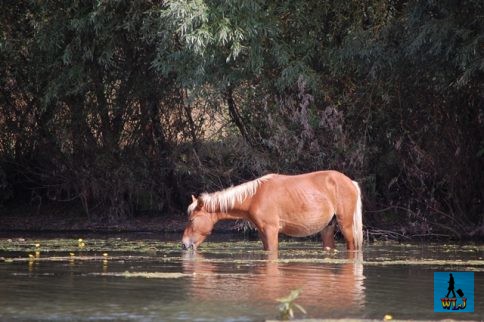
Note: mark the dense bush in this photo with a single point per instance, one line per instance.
(120, 107)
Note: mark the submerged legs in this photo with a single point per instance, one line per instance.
(327, 235)
(270, 238)
(346, 226)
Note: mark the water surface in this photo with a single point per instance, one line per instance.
(145, 279)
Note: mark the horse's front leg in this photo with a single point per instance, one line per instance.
(263, 239)
(270, 238)
(268, 228)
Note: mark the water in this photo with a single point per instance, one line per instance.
(145, 279)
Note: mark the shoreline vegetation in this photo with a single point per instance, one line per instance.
(15, 225)
(112, 114)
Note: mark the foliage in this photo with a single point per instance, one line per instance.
(419, 79)
(123, 107)
(287, 305)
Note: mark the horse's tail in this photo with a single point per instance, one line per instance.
(358, 220)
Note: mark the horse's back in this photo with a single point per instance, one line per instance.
(325, 181)
(301, 204)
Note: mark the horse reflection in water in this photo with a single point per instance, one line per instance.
(327, 287)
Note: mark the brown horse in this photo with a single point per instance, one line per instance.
(299, 206)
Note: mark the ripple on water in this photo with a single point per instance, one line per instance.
(236, 281)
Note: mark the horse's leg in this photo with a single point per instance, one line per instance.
(345, 223)
(268, 229)
(270, 238)
(263, 239)
(327, 235)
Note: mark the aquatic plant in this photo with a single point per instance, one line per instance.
(287, 305)
(80, 243)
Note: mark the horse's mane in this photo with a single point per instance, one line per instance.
(225, 200)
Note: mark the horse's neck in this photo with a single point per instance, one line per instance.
(232, 214)
(238, 212)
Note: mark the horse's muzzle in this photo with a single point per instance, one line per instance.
(188, 244)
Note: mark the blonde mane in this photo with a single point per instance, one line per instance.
(225, 200)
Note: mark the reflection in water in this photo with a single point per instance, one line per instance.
(330, 287)
(236, 283)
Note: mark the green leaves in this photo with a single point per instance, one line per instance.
(361, 86)
(287, 305)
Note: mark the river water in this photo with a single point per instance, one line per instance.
(149, 278)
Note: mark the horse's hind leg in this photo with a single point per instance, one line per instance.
(327, 235)
(345, 223)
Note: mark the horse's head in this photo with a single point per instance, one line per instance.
(200, 224)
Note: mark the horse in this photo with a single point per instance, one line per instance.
(295, 205)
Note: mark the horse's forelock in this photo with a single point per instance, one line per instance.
(192, 207)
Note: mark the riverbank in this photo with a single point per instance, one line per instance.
(68, 220)
(69, 223)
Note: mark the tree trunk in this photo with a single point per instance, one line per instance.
(236, 118)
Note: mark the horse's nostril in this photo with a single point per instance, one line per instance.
(186, 245)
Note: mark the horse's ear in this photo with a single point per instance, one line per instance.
(199, 203)
(193, 199)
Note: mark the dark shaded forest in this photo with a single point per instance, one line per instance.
(113, 110)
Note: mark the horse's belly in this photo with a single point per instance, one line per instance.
(304, 224)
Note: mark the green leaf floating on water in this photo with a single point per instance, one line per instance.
(300, 308)
(287, 305)
(291, 297)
